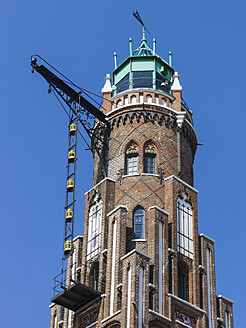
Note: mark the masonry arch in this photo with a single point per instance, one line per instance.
(131, 158)
(149, 157)
(138, 223)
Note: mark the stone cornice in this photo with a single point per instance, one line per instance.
(184, 183)
(98, 185)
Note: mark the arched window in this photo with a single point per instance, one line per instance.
(132, 158)
(133, 99)
(138, 223)
(149, 99)
(184, 225)
(149, 158)
(119, 103)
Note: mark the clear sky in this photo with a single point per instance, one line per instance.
(207, 39)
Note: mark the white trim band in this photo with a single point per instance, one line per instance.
(99, 184)
(225, 298)
(92, 324)
(186, 184)
(111, 316)
(160, 315)
(182, 324)
(187, 303)
(137, 251)
(159, 209)
(202, 235)
(116, 209)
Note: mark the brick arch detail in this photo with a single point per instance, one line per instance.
(147, 116)
(129, 143)
(189, 198)
(115, 324)
(148, 142)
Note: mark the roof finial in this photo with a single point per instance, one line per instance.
(115, 60)
(130, 46)
(154, 44)
(170, 58)
(143, 39)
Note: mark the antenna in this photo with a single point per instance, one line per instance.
(137, 16)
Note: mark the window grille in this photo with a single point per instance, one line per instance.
(184, 227)
(132, 164)
(149, 164)
(132, 158)
(149, 158)
(94, 228)
(138, 220)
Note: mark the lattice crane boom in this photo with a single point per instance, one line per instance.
(83, 111)
(54, 80)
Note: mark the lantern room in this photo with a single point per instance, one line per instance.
(143, 69)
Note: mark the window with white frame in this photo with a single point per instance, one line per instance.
(149, 157)
(132, 158)
(132, 164)
(119, 103)
(94, 227)
(184, 226)
(133, 99)
(227, 319)
(149, 99)
(138, 223)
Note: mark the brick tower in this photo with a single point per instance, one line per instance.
(141, 262)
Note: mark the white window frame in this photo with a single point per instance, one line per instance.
(132, 164)
(184, 227)
(94, 228)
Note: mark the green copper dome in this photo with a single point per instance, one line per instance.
(143, 69)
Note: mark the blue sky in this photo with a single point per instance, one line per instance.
(207, 39)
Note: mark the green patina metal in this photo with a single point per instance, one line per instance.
(115, 60)
(170, 58)
(130, 46)
(143, 68)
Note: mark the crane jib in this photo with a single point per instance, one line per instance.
(74, 96)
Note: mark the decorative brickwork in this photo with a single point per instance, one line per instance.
(166, 278)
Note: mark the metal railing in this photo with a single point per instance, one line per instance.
(143, 82)
(89, 275)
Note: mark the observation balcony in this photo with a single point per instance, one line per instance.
(68, 291)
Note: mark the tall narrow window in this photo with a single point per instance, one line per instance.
(94, 275)
(208, 264)
(227, 319)
(94, 227)
(132, 158)
(184, 226)
(140, 297)
(181, 283)
(149, 99)
(138, 221)
(149, 158)
(129, 278)
(133, 99)
(55, 321)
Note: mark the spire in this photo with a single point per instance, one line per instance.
(143, 50)
(176, 84)
(107, 86)
(143, 39)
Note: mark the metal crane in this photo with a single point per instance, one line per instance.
(81, 111)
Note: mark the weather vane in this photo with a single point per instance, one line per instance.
(137, 16)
